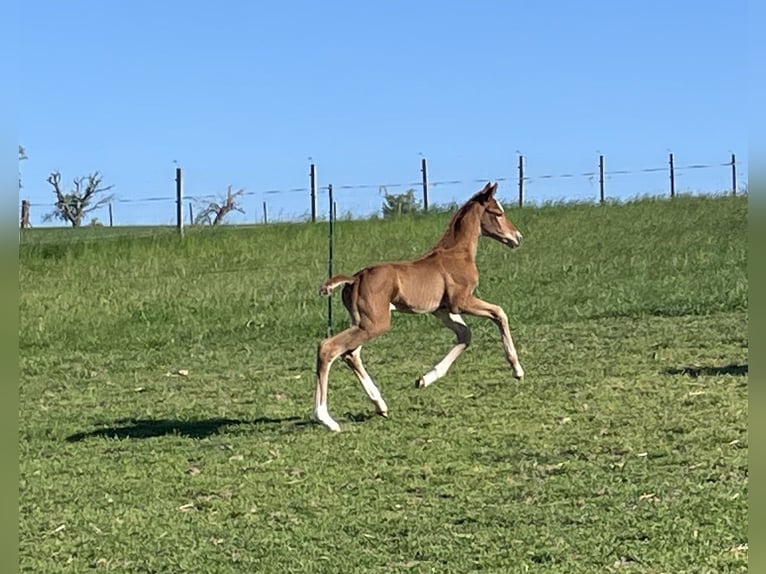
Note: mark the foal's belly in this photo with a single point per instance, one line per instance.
(418, 292)
(416, 310)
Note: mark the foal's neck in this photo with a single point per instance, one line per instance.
(463, 230)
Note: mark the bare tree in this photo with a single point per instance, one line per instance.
(84, 197)
(214, 213)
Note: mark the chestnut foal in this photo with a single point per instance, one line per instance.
(441, 282)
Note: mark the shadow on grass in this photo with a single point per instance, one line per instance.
(709, 371)
(150, 428)
(358, 417)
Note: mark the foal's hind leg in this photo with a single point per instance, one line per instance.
(354, 361)
(455, 324)
(371, 318)
(329, 350)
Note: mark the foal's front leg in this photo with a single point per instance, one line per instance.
(479, 308)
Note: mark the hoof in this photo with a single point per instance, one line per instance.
(328, 423)
(332, 427)
(420, 383)
(381, 408)
(519, 375)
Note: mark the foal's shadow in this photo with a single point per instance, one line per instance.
(150, 428)
(695, 371)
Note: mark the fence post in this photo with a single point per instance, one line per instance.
(424, 170)
(265, 213)
(191, 214)
(313, 178)
(331, 224)
(672, 177)
(733, 174)
(111, 215)
(25, 213)
(521, 180)
(179, 202)
(601, 177)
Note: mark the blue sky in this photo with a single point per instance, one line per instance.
(244, 93)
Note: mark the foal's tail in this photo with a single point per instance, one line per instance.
(334, 282)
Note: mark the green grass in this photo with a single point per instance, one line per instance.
(623, 450)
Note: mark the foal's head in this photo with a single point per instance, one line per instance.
(494, 223)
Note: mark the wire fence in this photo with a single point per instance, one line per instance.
(365, 199)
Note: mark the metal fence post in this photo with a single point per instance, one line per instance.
(601, 177)
(331, 225)
(179, 202)
(672, 177)
(313, 179)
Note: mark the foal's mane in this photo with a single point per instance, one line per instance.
(465, 220)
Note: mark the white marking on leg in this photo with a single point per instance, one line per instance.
(510, 349)
(321, 413)
(354, 361)
(456, 324)
(373, 393)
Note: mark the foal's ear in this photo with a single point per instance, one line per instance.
(487, 192)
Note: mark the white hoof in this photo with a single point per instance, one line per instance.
(323, 417)
(330, 424)
(518, 373)
(381, 408)
(426, 380)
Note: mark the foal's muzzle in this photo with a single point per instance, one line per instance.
(513, 240)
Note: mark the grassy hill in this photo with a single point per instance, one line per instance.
(625, 448)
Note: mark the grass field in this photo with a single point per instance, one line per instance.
(623, 450)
